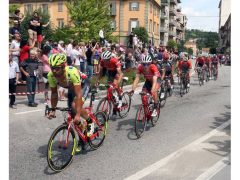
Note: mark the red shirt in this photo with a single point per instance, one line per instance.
(185, 65)
(148, 73)
(111, 65)
(208, 60)
(200, 60)
(24, 53)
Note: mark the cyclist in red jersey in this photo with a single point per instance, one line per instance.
(153, 80)
(215, 61)
(200, 62)
(184, 66)
(208, 63)
(112, 67)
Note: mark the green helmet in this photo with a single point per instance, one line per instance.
(57, 59)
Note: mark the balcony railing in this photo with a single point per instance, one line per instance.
(163, 29)
(179, 9)
(163, 16)
(173, 2)
(179, 28)
(172, 33)
(172, 12)
(164, 2)
(172, 22)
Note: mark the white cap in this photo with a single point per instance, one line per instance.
(61, 42)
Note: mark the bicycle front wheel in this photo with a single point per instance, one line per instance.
(100, 130)
(126, 104)
(105, 106)
(61, 148)
(140, 122)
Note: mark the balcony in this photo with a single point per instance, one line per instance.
(179, 9)
(172, 33)
(179, 28)
(179, 1)
(163, 29)
(163, 16)
(178, 18)
(172, 22)
(164, 2)
(173, 2)
(172, 12)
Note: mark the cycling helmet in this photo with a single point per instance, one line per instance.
(106, 55)
(147, 59)
(57, 59)
(165, 56)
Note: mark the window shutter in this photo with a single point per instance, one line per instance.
(137, 23)
(114, 8)
(138, 6)
(129, 27)
(130, 6)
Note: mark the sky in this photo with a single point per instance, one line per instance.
(202, 8)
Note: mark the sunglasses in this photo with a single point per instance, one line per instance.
(145, 64)
(57, 68)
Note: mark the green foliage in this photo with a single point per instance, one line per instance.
(13, 7)
(171, 44)
(213, 51)
(142, 34)
(88, 17)
(44, 18)
(204, 39)
(190, 51)
(64, 34)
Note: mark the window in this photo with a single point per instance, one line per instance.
(45, 7)
(150, 26)
(133, 24)
(112, 8)
(60, 7)
(113, 25)
(28, 8)
(134, 6)
(60, 23)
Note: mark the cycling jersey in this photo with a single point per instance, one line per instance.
(111, 65)
(200, 61)
(148, 73)
(72, 78)
(214, 60)
(185, 65)
(208, 60)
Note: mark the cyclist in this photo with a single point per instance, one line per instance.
(68, 77)
(112, 67)
(152, 79)
(200, 62)
(184, 66)
(215, 61)
(208, 64)
(168, 68)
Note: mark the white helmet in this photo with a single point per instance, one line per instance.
(147, 59)
(106, 55)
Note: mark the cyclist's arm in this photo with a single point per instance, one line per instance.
(54, 97)
(154, 83)
(78, 99)
(135, 82)
(163, 73)
(120, 74)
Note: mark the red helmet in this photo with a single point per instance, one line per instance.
(165, 56)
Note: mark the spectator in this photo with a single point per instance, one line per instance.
(18, 17)
(15, 29)
(75, 55)
(46, 69)
(101, 35)
(61, 47)
(130, 61)
(131, 40)
(25, 48)
(82, 57)
(89, 56)
(13, 80)
(135, 40)
(32, 30)
(69, 47)
(55, 48)
(30, 68)
(39, 33)
(15, 47)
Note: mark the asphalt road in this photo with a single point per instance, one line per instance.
(191, 140)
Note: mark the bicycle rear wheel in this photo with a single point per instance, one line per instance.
(105, 106)
(126, 104)
(100, 130)
(60, 154)
(140, 122)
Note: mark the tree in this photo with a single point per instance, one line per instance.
(171, 44)
(142, 34)
(45, 17)
(13, 7)
(88, 17)
(190, 51)
(213, 51)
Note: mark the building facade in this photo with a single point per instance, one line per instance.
(224, 26)
(173, 22)
(192, 44)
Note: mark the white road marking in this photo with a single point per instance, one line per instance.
(151, 168)
(207, 175)
(25, 112)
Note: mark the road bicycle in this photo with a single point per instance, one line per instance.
(167, 86)
(110, 102)
(63, 141)
(200, 75)
(144, 114)
(214, 72)
(184, 83)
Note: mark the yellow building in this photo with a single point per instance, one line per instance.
(126, 15)
(192, 44)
